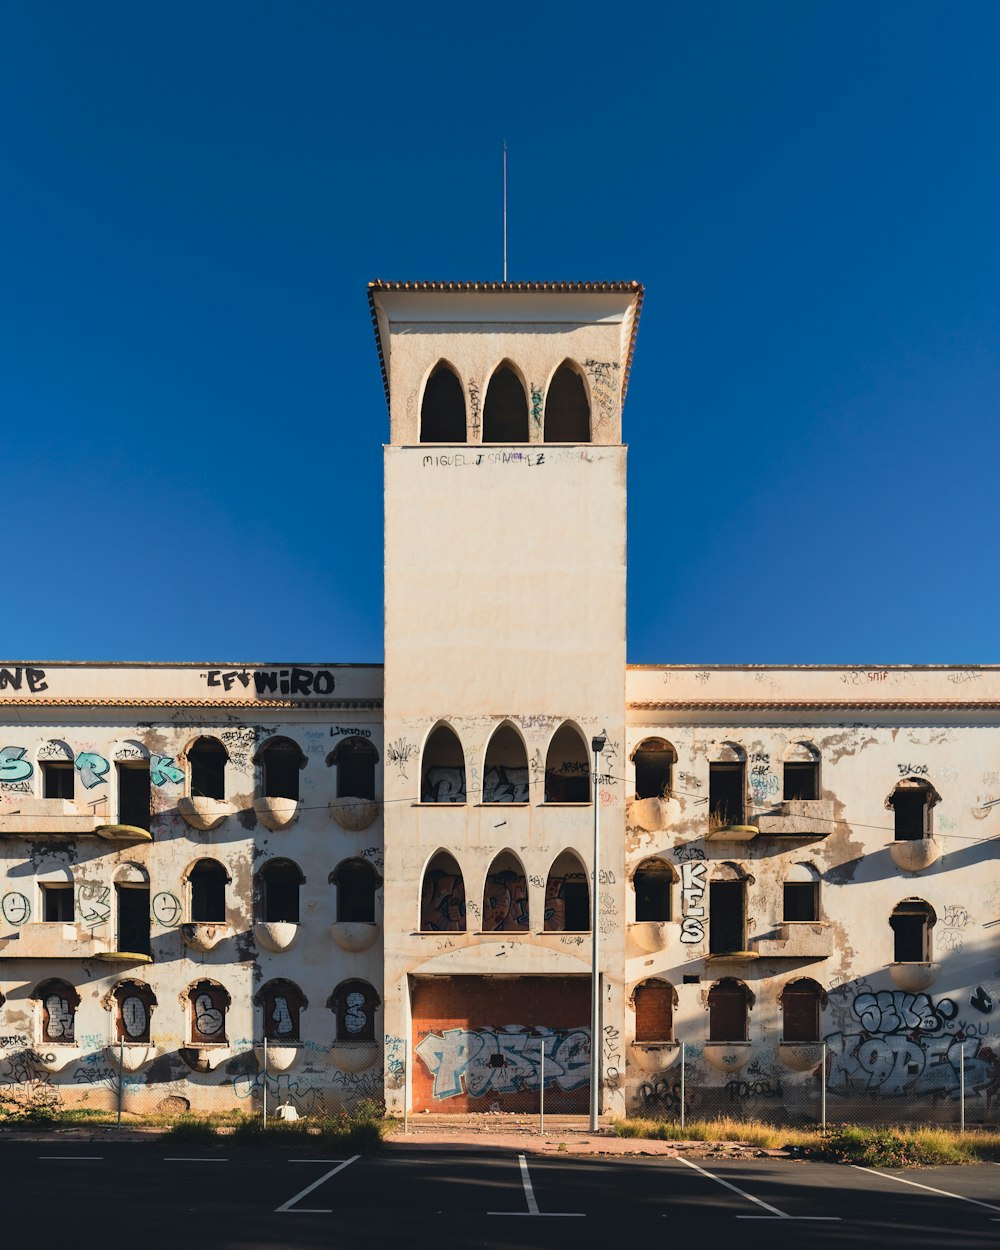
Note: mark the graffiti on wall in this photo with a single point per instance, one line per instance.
(294, 681)
(14, 768)
(505, 785)
(442, 785)
(93, 903)
(908, 1044)
(92, 769)
(162, 770)
(764, 784)
(442, 905)
(17, 678)
(492, 1061)
(505, 901)
(693, 873)
(15, 908)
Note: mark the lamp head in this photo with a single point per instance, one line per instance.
(597, 743)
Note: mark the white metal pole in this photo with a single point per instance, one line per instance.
(505, 210)
(822, 1091)
(541, 1091)
(595, 974)
(961, 1089)
(264, 1103)
(683, 1059)
(121, 1074)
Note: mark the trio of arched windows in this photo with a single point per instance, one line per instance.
(506, 776)
(505, 896)
(353, 1003)
(729, 1005)
(280, 761)
(277, 888)
(564, 411)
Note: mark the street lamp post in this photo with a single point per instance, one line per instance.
(597, 745)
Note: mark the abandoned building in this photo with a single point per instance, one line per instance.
(383, 877)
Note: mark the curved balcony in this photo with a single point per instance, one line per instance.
(280, 1055)
(275, 935)
(915, 855)
(355, 1056)
(203, 937)
(354, 814)
(204, 814)
(276, 814)
(354, 935)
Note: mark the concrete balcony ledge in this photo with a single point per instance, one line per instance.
(650, 936)
(206, 1057)
(745, 956)
(52, 818)
(653, 1056)
(132, 1057)
(204, 936)
(42, 939)
(915, 855)
(123, 833)
(281, 1056)
(354, 935)
(797, 939)
(353, 815)
(798, 818)
(355, 1056)
(275, 935)
(276, 814)
(727, 1056)
(800, 1056)
(732, 833)
(204, 814)
(914, 977)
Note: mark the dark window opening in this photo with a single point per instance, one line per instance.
(727, 1012)
(133, 919)
(134, 795)
(654, 761)
(209, 1004)
(442, 897)
(207, 761)
(57, 780)
(567, 768)
(653, 882)
(654, 1012)
(57, 903)
(911, 924)
(356, 882)
(567, 413)
(505, 896)
(279, 891)
(505, 412)
(280, 762)
(442, 413)
(567, 896)
(443, 768)
(208, 892)
(282, 1003)
(801, 781)
(801, 900)
(576, 896)
(800, 1004)
(59, 1002)
(355, 759)
(505, 777)
(726, 917)
(726, 795)
(354, 1004)
(910, 812)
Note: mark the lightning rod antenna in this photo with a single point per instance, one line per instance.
(505, 210)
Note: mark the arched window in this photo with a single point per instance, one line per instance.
(729, 1002)
(567, 410)
(911, 923)
(442, 770)
(57, 1003)
(505, 412)
(442, 412)
(727, 906)
(567, 895)
(654, 760)
(801, 772)
(355, 760)
(134, 1002)
(911, 802)
(207, 882)
(505, 898)
(278, 883)
(282, 1004)
(653, 884)
(357, 883)
(800, 1009)
(727, 787)
(801, 893)
(354, 1003)
(654, 1011)
(505, 778)
(280, 760)
(567, 767)
(442, 896)
(208, 1003)
(207, 759)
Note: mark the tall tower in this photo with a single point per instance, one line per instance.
(504, 657)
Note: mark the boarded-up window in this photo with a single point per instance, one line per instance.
(134, 1003)
(727, 1011)
(282, 1003)
(58, 1002)
(209, 1004)
(800, 1004)
(354, 1004)
(654, 1012)
(442, 896)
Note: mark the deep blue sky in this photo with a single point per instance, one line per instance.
(195, 196)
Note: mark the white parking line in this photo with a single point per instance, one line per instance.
(74, 1158)
(286, 1207)
(193, 1159)
(529, 1195)
(775, 1213)
(930, 1189)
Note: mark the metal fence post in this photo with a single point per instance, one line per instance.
(682, 1084)
(961, 1089)
(541, 1092)
(264, 1086)
(822, 1090)
(121, 1074)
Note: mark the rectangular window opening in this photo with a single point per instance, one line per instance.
(801, 900)
(725, 917)
(57, 780)
(910, 808)
(801, 781)
(57, 904)
(133, 919)
(134, 795)
(726, 795)
(910, 945)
